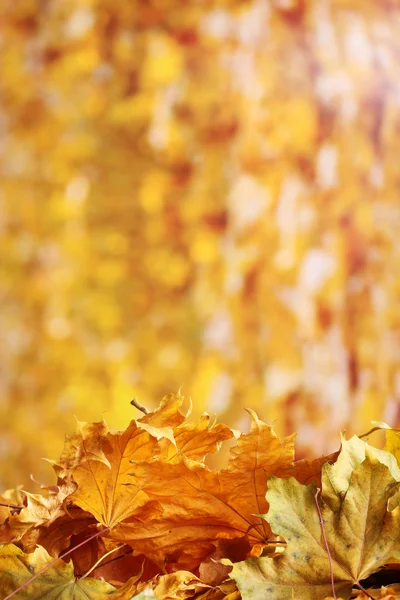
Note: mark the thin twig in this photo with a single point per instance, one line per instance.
(326, 543)
(139, 406)
(9, 505)
(21, 587)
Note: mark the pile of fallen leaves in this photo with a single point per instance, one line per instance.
(140, 512)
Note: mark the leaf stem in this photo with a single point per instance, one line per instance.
(139, 406)
(22, 586)
(117, 557)
(326, 543)
(377, 429)
(100, 560)
(364, 591)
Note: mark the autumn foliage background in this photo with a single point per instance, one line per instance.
(202, 194)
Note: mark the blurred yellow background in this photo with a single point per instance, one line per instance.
(202, 194)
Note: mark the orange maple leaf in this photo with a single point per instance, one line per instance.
(193, 506)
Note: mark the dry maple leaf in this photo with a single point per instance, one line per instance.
(108, 493)
(104, 487)
(195, 440)
(89, 439)
(55, 534)
(361, 533)
(92, 473)
(307, 471)
(58, 581)
(178, 586)
(46, 521)
(39, 510)
(352, 454)
(211, 570)
(85, 444)
(198, 506)
(392, 443)
(99, 472)
(225, 591)
(391, 592)
(11, 502)
(392, 446)
(384, 593)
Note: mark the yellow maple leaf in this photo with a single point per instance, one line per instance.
(361, 535)
(57, 580)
